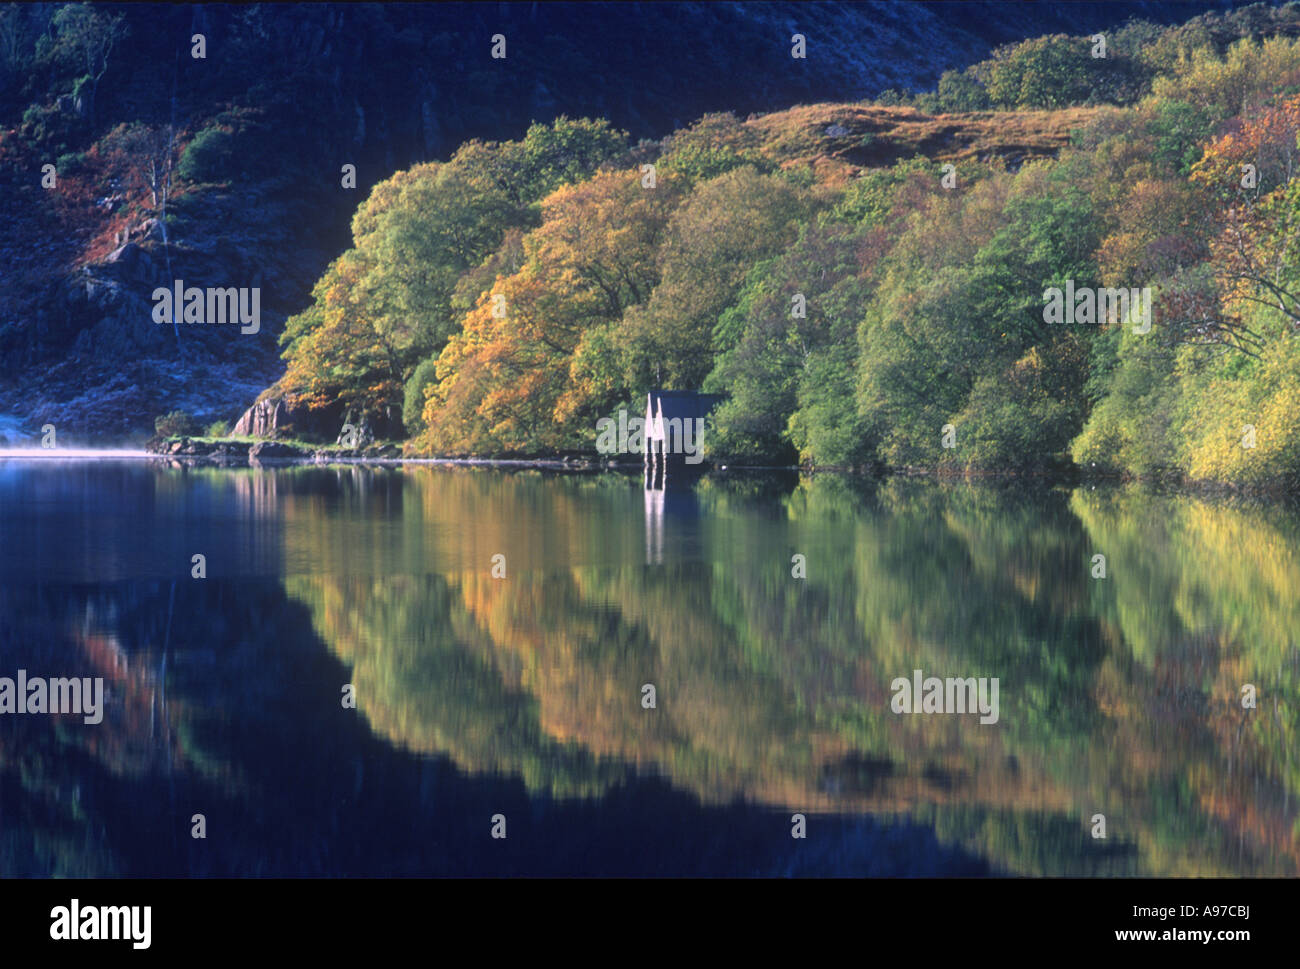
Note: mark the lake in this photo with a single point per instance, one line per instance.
(626, 681)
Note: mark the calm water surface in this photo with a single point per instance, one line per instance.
(522, 696)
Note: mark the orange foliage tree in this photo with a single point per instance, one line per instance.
(1247, 178)
(506, 382)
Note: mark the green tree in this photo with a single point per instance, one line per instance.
(397, 295)
(961, 91)
(726, 225)
(956, 335)
(786, 346)
(1046, 72)
(84, 39)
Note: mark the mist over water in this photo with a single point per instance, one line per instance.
(36, 452)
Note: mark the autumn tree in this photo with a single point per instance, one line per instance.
(389, 295)
(414, 238)
(1231, 82)
(1247, 178)
(726, 225)
(142, 157)
(604, 236)
(342, 352)
(510, 378)
(499, 378)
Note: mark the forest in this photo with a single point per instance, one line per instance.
(866, 307)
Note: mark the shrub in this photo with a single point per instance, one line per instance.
(701, 162)
(425, 375)
(959, 91)
(47, 127)
(70, 163)
(208, 157)
(218, 429)
(175, 424)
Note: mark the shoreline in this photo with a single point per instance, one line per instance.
(234, 453)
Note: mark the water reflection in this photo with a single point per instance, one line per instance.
(1119, 696)
(670, 507)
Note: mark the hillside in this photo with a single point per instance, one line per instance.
(841, 141)
(1079, 253)
(254, 136)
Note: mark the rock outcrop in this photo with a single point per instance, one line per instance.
(263, 418)
(230, 452)
(273, 416)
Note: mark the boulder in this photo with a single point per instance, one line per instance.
(185, 447)
(127, 256)
(147, 229)
(274, 449)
